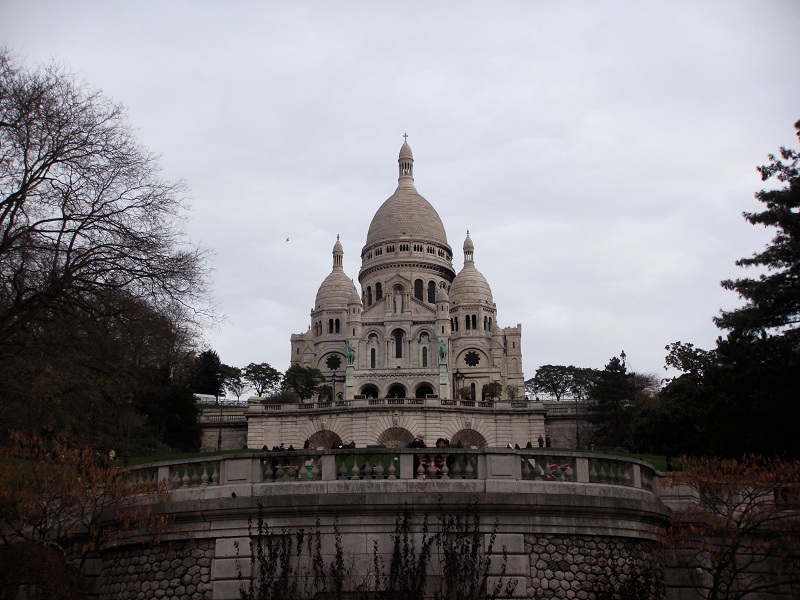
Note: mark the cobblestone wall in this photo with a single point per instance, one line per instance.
(583, 567)
(180, 571)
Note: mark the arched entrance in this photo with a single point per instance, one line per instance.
(324, 439)
(423, 389)
(468, 438)
(396, 390)
(396, 437)
(370, 391)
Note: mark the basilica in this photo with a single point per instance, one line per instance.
(418, 352)
(417, 329)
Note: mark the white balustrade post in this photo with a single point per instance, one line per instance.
(582, 470)
(637, 476)
(407, 467)
(328, 467)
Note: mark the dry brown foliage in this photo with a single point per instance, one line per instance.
(73, 499)
(743, 534)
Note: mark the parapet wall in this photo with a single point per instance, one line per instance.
(570, 523)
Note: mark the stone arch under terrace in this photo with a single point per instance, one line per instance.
(395, 437)
(324, 439)
(468, 438)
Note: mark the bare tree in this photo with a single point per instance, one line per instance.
(742, 538)
(84, 212)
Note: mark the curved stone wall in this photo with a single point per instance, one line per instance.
(568, 523)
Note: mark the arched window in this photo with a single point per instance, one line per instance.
(398, 343)
(474, 322)
(424, 357)
(369, 295)
(330, 325)
(378, 291)
(418, 289)
(485, 323)
(432, 292)
(490, 323)
(336, 323)
(472, 387)
(372, 358)
(466, 322)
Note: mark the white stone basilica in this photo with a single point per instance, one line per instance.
(418, 330)
(412, 353)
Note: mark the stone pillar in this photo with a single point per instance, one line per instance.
(444, 379)
(348, 382)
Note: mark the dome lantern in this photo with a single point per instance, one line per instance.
(405, 162)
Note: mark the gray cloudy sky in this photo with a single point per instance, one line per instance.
(600, 153)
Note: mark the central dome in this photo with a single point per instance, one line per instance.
(406, 213)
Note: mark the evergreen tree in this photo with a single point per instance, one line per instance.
(773, 299)
(612, 404)
(206, 376)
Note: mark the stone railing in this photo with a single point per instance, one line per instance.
(558, 468)
(416, 403)
(229, 416)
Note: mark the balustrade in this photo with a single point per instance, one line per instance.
(364, 464)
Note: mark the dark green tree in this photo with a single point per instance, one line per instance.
(612, 404)
(206, 374)
(303, 381)
(772, 299)
(553, 380)
(492, 391)
(741, 397)
(263, 377)
(233, 380)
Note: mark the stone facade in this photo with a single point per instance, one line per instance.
(580, 567)
(180, 570)
(417, 329)
(411, 353)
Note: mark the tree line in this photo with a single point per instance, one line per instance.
(211, 376)
(740, 397)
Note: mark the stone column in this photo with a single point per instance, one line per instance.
(348, 382)
(444, 380)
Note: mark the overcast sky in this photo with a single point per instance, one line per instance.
(600, 153)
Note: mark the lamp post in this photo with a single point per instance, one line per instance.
(458, 377)
(219, 436)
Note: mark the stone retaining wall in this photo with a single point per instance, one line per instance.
(580, 567)
(180, 570)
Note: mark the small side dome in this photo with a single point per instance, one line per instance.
(337, 288)
(336, 291)
(354, 298)
(442, 295)
(470, 286)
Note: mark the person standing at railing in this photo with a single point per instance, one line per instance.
(440, 461)
(419, 442)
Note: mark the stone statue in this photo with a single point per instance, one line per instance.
(351, 353)
(398, 302)
(442, 349)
